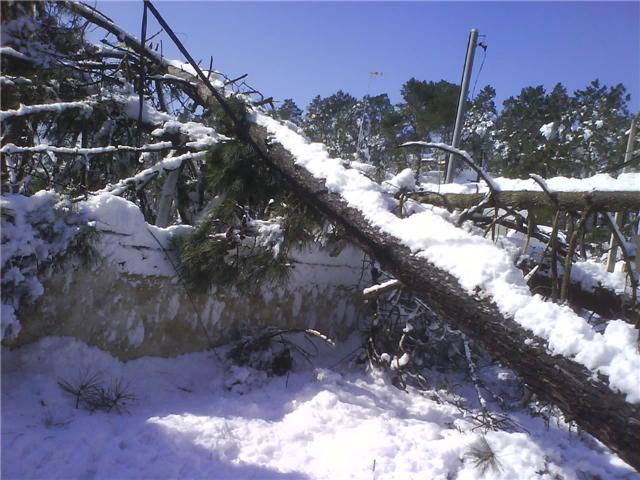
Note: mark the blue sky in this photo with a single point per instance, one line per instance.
(301, 49)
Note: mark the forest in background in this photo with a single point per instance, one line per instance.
(550, 133)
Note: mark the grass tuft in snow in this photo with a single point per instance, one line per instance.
(484, 458)
(90, 391)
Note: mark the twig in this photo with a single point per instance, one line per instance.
(568, 261)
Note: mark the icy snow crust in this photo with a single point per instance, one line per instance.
(477, 262)
(321, 422)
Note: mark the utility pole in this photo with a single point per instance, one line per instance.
(464, 90)
(362, 131)
(613, 244)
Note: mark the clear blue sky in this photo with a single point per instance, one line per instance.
(301, 49)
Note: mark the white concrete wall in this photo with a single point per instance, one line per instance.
(132, 315)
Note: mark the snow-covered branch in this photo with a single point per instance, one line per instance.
(84, 106)
(145, 176)
(43, 148)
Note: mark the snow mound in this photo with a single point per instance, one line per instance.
(127, 240)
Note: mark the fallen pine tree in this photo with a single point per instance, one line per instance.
(584, 397)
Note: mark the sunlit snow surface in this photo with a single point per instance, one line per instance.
(323, 422)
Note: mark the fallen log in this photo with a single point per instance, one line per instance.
(603, 301)
(522, 199)
(582, 396)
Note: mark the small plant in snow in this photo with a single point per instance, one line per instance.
(90, 392)
(83, 387)
(484, 458)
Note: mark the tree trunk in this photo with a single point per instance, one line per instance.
(167, 196)
(571, 201)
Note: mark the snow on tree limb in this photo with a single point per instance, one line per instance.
(43, 148)
(494, 187)
(84, 106)
(145, 176)
(471, 282)
(478, 264)
(524, 199)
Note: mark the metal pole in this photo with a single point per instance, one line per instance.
(464, 90)
(613, 244)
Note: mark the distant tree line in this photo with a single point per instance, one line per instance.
(549, 133)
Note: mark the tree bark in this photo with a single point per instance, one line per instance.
(167, 196)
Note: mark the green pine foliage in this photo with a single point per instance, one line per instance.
(228, 248)
(207, 260)
(218, 116)
(235, 171)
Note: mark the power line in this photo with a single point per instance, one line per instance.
(483, 46)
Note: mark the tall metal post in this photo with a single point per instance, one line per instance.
(464, 90)
(613, 244)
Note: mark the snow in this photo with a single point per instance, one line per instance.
(547, 130)
(33, 234)
(200, 137)
(477, 263)
(196, 417)
(130, 102)
(12, 148)
(127, 240)
(59, 107)
(375, 288)
(625, 182)
(10, 326)
(587, 134)
(12, 52)
(169, 163)
(403, 180)
(591, 275)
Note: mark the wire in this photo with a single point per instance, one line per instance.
(482, 45)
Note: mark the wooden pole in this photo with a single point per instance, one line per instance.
(462, 100)
(613, 244)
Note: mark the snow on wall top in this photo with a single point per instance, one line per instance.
(477, 262)
(128, 240)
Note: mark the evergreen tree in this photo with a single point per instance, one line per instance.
(429, 109)
(600, 119)
(478, 133)
(334, 121)
(557, 134)
(520, 139)
(290, 111)
(374, 147)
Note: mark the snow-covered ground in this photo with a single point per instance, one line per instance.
(195, 417)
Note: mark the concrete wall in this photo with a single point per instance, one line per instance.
(133, 315)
